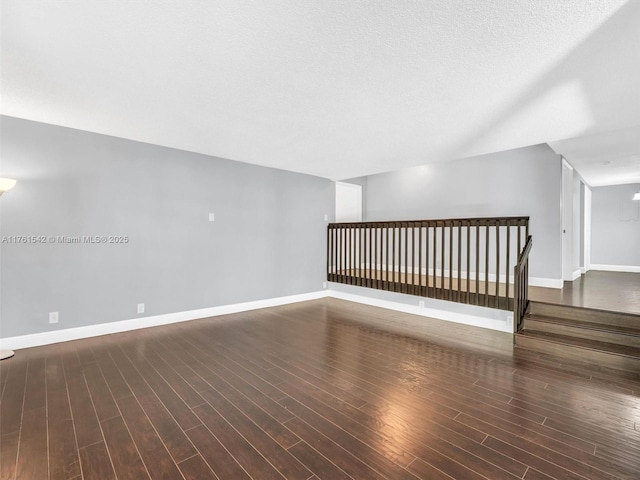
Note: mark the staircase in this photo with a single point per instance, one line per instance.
(598, 337)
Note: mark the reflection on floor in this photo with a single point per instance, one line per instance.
(314, 390)
(615, 291)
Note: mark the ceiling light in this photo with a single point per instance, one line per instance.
(6, 184)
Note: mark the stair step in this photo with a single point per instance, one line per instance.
(589, 330)
(607, 354)
(592, 315)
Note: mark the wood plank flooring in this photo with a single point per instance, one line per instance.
(314, 390)
(615, 291)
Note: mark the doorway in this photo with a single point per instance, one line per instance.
(348, 202)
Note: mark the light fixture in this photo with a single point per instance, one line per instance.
(6, 184)
(6, 354)
(636, 196)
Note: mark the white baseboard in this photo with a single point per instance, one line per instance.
(480, 317)
(576, 274)
(545, 282)
(56, 336)
(491, 318)
(615, 268)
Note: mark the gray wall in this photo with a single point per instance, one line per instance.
(526, 181)
(267, 240)
(615, 226)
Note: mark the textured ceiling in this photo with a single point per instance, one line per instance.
(331, 88)
(610, 158)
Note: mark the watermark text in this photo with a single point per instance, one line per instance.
(64, 239)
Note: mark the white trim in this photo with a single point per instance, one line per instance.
(546, 282)
(583, 270)
(566, 163)
(56, 336)
(576, 274)
(566, 227)
(490, 318)
(475, 316)
(587, 228)
(615, 268)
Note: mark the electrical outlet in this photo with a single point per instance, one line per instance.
(326, 217)
(141, 308)
(53, 317)
(212, 217)
(421, 303)
(324, 284)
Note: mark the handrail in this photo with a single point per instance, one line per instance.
(503, 221)
(467, 260)
(521, 286)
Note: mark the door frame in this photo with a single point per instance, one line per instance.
(567, 221)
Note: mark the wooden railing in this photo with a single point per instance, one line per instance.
(521, 286)
(467, 260)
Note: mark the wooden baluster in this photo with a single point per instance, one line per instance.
(388, 261)
(497, 301)
(405, 288)
(393, 257)
(370, 256)
(459, 262)
(426, 259)
(450, 292)
(339, 251)
(468, 261)
(377, 235)
(347, 251)
(507, 260)
(486, 273)
(420, 259)
(438, 292)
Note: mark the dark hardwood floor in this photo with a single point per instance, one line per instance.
(307, 391)
(615, 291)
